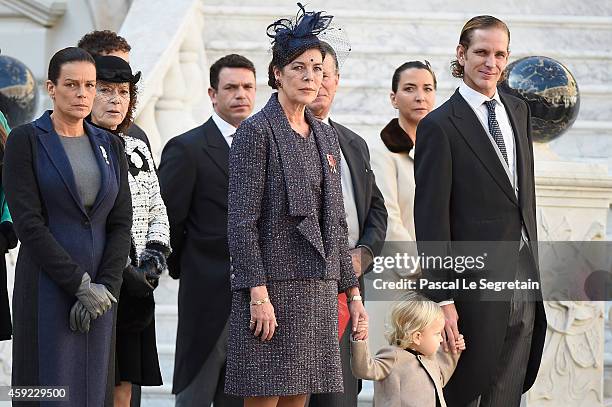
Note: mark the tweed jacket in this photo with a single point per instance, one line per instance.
(403, 379)
(273, 230)
(149, 218)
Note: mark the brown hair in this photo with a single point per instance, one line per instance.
(476, 23)
(103, 42)
(129, 116)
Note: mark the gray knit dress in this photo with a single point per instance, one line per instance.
(303, 356)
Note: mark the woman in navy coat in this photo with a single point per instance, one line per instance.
(66, 185)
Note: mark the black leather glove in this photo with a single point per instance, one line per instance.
(95, 297)
(80, 319)
(135, 282)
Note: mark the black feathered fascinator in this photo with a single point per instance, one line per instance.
(290, 38)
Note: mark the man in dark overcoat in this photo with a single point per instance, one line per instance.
(365, 212)
(475, 183)
(194, 177)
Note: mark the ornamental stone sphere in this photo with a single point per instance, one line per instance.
(549, 89)
(18, 91)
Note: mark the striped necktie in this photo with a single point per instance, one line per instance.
(495, 130)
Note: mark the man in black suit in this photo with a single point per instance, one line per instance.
(366, 215)
(194, 178)
(475, 182)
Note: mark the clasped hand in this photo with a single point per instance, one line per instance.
(93, 301)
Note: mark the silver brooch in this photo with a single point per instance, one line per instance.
(104, 155)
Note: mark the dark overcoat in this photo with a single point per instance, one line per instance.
(193, 177)
(60, 241)
(464, 194)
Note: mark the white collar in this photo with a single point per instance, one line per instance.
(224, 127)
(326, 121)
(474, 98)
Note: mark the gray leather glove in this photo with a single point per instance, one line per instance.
(80, 318)
(95, 297)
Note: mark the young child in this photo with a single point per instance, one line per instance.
(412, 370)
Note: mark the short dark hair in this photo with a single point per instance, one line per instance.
(330, 51)
(228, 61)
(64, 56)
(103, 42)
(408, 65)
(465, 39)
(280, 59)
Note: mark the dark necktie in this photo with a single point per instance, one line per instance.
(495, 130)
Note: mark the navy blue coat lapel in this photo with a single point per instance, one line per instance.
(102, 152)
(471, 130)
(296, 181)
(50, 141)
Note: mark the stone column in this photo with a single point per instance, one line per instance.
(573, 202)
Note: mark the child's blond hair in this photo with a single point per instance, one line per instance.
(413, 313)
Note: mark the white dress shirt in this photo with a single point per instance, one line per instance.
(477, 100)
(226, 129)
(350, 207)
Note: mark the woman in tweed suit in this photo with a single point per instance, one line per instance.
(287, 235)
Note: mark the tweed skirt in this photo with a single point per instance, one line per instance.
(303, 356)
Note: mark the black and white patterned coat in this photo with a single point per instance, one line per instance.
(150, 227)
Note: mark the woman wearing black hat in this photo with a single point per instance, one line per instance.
(66, 185)
(287, 234)
(137, 360)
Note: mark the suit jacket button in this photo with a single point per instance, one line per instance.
(231, 268)
(86, 224)
(232, 276)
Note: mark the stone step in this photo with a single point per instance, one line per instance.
(166, 362)
(368, 27)
(165, 323)
(157, 396)
(467, 8)
(378, 63)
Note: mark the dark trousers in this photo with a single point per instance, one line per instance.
(507, 385)
(351, 384)
(207, 386)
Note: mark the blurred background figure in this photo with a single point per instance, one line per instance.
(8, 240)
